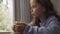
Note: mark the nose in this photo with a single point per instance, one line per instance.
(33, 12)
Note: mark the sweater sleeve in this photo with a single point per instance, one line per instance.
(53, 28)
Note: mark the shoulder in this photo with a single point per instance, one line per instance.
(51, 21)
(54, 22)
(54, 19)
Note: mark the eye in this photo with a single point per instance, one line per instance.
(31, 10)
(34, 6)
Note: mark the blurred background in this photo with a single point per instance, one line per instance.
(12, 11)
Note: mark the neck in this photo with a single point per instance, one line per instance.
(42, 18)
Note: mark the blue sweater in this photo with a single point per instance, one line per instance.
(50, 26)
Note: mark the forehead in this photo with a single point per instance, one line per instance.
(33, 2)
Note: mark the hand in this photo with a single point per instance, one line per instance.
(19, 27)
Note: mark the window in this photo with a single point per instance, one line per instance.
(6, 15)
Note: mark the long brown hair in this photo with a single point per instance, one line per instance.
(49, 10)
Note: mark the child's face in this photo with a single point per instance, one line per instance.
(36, 9)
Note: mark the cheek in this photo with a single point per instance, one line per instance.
(40, 10)
(34, 10)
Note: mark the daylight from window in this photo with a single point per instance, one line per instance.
(6, 15)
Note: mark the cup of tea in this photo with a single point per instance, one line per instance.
(19, 27)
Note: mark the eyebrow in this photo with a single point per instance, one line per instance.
(33, 5)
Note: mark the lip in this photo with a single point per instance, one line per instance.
(33, 14)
